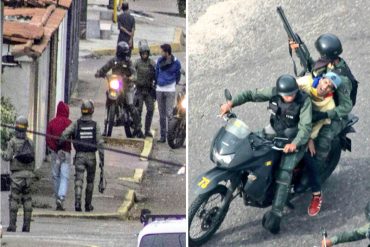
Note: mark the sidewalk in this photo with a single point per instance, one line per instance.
(152, 24)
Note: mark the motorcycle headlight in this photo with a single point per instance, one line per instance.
(114, 84)
(184, 102)
(225, 159)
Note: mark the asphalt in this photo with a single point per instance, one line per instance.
(242, 45)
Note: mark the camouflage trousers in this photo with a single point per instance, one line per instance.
(144, 96)
(20, 193)
(355, 235)
(84, 162)
(284, 179)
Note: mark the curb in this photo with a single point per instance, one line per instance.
(126, 205)
(177, 45)
(124, 141)
(148, 147)
(121, 213)
(137, 178)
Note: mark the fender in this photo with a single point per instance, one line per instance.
(210, 179)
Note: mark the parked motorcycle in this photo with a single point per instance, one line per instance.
(245, 165)
(118, 113)
(177, 124)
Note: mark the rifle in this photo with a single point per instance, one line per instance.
(302, 52)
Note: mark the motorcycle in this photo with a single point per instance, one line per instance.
(117, 112)
(177, 124)
(245, 165)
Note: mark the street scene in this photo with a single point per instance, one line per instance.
(86, 64)
(242, 45)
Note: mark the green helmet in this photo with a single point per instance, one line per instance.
(87, 107)
(367, 211)
(286, 85)
(21, 124)
(144, 47)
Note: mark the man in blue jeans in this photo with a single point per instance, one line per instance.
(60, 155)
(167, 76)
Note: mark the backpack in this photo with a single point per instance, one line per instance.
(345, 71)
(26, 154)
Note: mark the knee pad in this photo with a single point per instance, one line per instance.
(284, 177)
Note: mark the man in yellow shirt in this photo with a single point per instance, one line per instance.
(321, 90)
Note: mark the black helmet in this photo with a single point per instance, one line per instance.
(144, 47)
(286, 85)
(87, 107)
(122, 51)
(329, 46)
(367, 211)
(21, 124)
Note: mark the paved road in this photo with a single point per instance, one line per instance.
(239, 45)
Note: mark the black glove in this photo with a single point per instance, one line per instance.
(318, 115)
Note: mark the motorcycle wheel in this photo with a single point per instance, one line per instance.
(210, 218)
(176, 134)
(110, 117)
(332, 160)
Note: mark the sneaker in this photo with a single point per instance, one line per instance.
(315, 205)
(59, 203)
(162, 140)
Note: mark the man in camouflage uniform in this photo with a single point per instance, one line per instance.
(145, 76)
(85, 131)
(330, 47)
(121, 65)
(21, 177)
(355, 235)
(291, 112)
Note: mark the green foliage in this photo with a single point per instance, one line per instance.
(8, 115)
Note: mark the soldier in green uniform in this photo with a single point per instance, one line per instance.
(121, 65)
(291, 117)
(145, 76)
(20, 153)
(330, 47)
(85, 131)
(355, 235)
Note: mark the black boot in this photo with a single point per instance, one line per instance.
(271, 222)
(26, 221)
(89, 208)
(12, 221)
(78, 207)
(148, 134)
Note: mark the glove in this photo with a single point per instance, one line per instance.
(318, 115)
(97, 74)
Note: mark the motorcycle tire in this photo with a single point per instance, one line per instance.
(176, 135)
(110, 117)
(194, 208)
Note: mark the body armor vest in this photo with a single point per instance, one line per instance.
(86, 133)
(285, 115)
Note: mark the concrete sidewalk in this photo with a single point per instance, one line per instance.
(152, 24)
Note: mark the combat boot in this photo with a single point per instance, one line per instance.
(78, 207)
(26, 221)
(89, 208)
(12, 221)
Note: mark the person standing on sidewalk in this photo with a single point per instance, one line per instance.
(167, 76)
(21, 154)
(60, 156)
(145, 76)
(126, 27)
(85, 131)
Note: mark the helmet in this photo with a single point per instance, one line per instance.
(367, 211)
(144, 47)
(329, 46)
(21, 124)
(286, 85)
(87, 107)
(122, 51)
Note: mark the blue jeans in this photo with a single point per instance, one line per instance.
(60, 167)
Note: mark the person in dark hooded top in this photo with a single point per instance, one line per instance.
(60, 155)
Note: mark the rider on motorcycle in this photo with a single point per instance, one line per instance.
(291, 111)
(121, 65)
